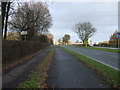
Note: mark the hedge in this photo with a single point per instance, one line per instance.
(12, 50)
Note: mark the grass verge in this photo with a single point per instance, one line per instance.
(107, 74)
(102, 49)
(38, 76)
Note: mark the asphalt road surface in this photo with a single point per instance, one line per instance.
(106, 47)
(13, 76)
(67, 72)
(107, 58)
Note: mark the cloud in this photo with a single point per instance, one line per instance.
(103, 16)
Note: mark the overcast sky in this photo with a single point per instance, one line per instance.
(102, 15)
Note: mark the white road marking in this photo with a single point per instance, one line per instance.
(98, 61)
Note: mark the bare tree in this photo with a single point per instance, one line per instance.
(113, 40)
(32, 17)
(66, 38)
(84, 31)
(6, 19)
(59, 41)
(3, 7)
(6, 7)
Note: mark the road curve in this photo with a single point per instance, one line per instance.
(107, 58)
(67, 72)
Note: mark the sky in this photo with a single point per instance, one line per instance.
(102, 15)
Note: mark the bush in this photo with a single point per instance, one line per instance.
(12, 50)
(43, 39)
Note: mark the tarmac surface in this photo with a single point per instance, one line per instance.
(13, 76)
(67, 72)
(106, 47)
(108, 58)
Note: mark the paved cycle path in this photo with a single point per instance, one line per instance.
(13, 76)
(67, 72)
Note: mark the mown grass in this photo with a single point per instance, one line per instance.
(102, 49)
(38, 76)
(107, 74)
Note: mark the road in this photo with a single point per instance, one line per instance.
(67, 72)
(106, 47)
(107, 58)
(13, 76)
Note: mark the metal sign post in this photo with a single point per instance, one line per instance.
(118, 43)
(24, 33)
(118, 37)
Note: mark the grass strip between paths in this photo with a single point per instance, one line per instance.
(38, 76)
(107, 74)
(102, 49)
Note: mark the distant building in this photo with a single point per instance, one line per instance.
(105, 42)
(80, 43)
(69, 42)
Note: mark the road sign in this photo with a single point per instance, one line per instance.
(118, 35)
(24, 33)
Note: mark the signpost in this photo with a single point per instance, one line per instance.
(118, 37)
(24, 33)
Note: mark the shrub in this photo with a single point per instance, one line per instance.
(12, 50)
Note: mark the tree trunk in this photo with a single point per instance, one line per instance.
(6, 21)
(3, 14)
(83, 43)
(86, 43)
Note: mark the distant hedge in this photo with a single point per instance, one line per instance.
(12, 50)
